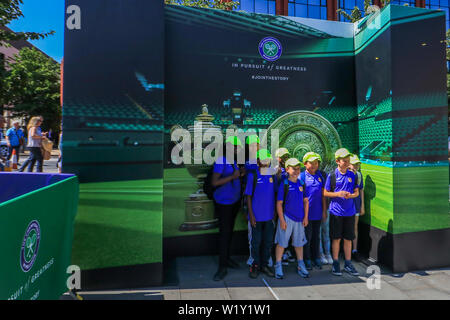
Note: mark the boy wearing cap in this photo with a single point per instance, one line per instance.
(355, 166)
(314, 184)
(282, 155)
(252, 147)
(260, 192)
(292, 208)
(227, 199)
(251, 166)
(341, 188)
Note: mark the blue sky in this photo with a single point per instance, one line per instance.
(43, 16)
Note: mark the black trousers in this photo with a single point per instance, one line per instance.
(227, 216)
(311, 249)
(262, 241)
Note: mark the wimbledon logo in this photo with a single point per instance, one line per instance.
(270, 48)
(30, 246)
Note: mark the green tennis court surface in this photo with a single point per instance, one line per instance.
(417, 196)
(178, 185)
(118, 223)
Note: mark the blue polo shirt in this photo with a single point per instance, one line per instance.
(250, 168)
(263, 201)
(314, 184)
(293, 208)
(14, 136)
(284, 175)
(360, 187)
(230, 192)
(344, 182)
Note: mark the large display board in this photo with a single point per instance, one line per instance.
(402, 109)
(302, 86)
(322, 84)
(112, 140)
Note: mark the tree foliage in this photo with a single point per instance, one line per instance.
(32, 85)
(215, 4)
(9, 11)
(447, 42)
(356, 13)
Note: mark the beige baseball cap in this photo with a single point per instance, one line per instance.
(354, 159)
(342, 153)
(292, 162)
(311, 156)
(281, 152)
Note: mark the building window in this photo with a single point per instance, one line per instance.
(257, 6)
(348, 6)
(316, 9)
(411, 3)
(442, 5)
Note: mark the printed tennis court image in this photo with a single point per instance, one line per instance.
(235, 150)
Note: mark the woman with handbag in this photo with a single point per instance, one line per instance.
(35, 136)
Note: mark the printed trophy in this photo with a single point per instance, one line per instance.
(199, 210)
(304, 131)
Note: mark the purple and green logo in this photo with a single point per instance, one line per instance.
(270, 48)
(30, 246)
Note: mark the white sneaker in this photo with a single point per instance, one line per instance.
(291, 257)
(329, 258)
(323, 259)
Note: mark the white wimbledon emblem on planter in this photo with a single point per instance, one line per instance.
(30, 246)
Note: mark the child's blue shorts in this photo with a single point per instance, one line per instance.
(294, 229)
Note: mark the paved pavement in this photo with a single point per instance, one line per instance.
(49, 165)
(191, 279)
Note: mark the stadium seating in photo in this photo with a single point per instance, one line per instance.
(427, 142)
(428, 100)
(75, 138)
(254, 116)
(371, 130)
(125, 107)
(338, 113)
(123, 126)
(223, 116)
(369, 110)
(413, 136)
(348, 132)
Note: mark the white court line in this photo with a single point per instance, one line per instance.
(270, 289)
(377, 171)
(171, 183)
(120, 191)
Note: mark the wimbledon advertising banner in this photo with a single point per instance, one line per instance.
(112, 140)
(322, 84)
(36, 233)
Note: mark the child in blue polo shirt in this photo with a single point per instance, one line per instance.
(314, 183)
(226, 179)
(282, 155)
(292, 209)
(260, 192)
(251, 166)
(341, 188)
(355, 166)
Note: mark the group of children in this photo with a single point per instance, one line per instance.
(292, 208)
(301, 207)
